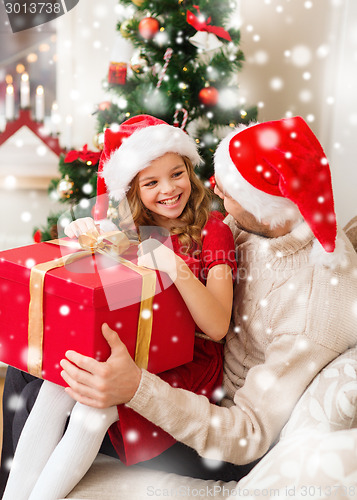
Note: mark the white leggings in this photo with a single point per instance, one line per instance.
(47, 466)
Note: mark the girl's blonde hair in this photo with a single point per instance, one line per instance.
(193, 217)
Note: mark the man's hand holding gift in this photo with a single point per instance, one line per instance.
(102, 384)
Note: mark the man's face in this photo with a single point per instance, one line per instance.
(244, 220)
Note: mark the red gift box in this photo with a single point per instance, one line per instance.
(77, 299)
(117, 73)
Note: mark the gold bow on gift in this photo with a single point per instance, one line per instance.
(115, 241)
(112, 244)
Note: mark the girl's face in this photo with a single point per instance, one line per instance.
(165, 188)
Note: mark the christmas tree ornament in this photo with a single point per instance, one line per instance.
(65, 187)
(124, 28)
(167, 57)
(205, 41)
(208, 96)
(117, 73)
(212, 182)
(98, 141)
(138, 3)
(119, 59)
(103, 106)
(138, 63)
(206, 36)
(184, 119)
(37, 237)
(148, 27)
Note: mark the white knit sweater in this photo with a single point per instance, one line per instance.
(290, 318)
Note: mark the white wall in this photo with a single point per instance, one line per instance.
(309, 50)
(343, 123)
(85, 38)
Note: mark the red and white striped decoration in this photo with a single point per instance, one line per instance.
(167, 57)
(184, 119)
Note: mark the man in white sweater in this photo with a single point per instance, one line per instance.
(294, 309)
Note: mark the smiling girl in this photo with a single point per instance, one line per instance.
(148, 167)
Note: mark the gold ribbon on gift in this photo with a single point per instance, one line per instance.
(111, 244)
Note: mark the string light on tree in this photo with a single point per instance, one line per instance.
(65, 187)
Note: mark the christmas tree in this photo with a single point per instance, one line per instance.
(176, 60)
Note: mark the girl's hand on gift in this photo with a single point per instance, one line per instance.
(99, 384)
(155, 255)
(80, 226)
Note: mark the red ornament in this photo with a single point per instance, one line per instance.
(212, 182)
(104, 105)
(148, 27)
(37, 236)
(117, 73)
(208, 96)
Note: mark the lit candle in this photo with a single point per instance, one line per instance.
(40, 104)
(55, 118)
(25, 91)
(68, 134)
(10, 103)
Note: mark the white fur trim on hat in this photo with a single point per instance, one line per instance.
(140, 149)
(267, 208)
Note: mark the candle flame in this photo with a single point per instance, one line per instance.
(25, 77)
(39, 90)
(10, 89)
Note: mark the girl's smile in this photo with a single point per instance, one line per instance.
(170, 202)
(165, 188)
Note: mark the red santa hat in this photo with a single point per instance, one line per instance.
(131, 148)
(276, 171)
